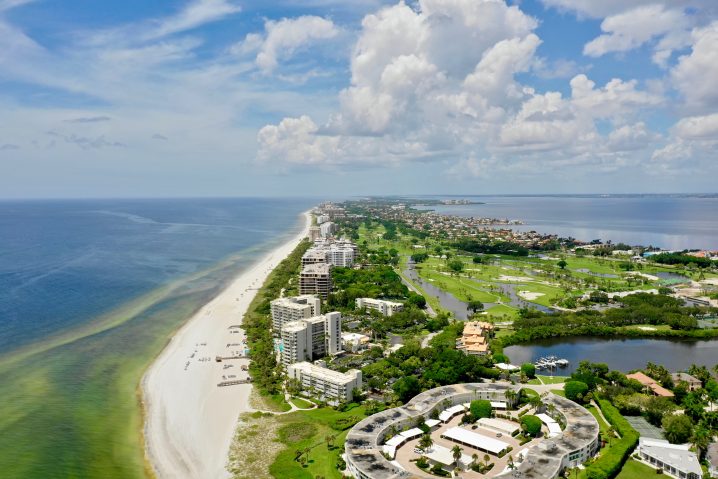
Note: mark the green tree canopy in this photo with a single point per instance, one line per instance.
(678, 428)
(480, 408)
(575, 390)
(531, 425)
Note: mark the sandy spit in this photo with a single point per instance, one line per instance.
(189, 420)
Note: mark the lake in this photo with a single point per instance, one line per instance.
(620, 354)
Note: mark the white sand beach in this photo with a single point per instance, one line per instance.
(189, 420)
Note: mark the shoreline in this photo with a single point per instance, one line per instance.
(189, 421)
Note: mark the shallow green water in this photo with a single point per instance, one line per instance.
(72, 410)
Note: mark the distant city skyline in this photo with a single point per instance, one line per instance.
(331, 98)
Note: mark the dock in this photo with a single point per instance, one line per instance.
(219, 359)
(234, 382)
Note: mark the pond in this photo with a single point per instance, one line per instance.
(592, 273)
(671, 278)
(621, 354)
(451, 303)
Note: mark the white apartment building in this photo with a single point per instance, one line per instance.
(338, 255)
(327, 229)
(387, 308)
(285, 310)
(322, 219)
(315, 279)
(335, 253)
(311, 338)
(327, 385)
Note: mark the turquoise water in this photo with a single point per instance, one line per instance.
(90, 292)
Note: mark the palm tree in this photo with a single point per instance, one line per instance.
(487, 458)
(474, 458)
(426, 442)
(702, 437)
(456, 454)
(510, 464)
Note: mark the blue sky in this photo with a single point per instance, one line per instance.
(329, 97)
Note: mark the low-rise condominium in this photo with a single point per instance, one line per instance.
(326, 384)
(387, 308)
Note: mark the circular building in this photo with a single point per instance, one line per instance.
(369, 455)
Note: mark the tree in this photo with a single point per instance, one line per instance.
(702, 438)
(678, 428)
(407, 387)
(426, 442)
(456, 266)
(480, 408)
(478, 259)
(475, 305)
(529, 370)
(562, 264)
(575, 390)
(531, 425)
(456, 454)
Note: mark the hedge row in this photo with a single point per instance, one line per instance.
(611, 461)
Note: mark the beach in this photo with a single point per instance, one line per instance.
(189, 420)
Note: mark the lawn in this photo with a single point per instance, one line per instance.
(308, 430)
(302, 403)
(502, 311)
(559, 392)
(602, 425)
(635, 470)
(552, 379)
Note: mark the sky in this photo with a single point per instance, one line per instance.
(130, 98)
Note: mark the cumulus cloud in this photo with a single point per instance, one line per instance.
(635, 27)
(283, 38)
(694, 75)
(417, 91)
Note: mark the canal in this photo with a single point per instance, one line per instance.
(620, 354)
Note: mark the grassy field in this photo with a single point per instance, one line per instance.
(303, 430)
(636, 470)
(552, 379)
(558, 392)
(302, 403)
(602, 425)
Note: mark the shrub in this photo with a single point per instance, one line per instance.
(529, 370)
(575, 390)
(531, 424)
(480, 409)
(609, 464)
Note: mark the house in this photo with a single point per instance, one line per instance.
(474, 339)
(650, 384)
(692, 382)
(675, 460)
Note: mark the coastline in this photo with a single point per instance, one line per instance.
(189, 420)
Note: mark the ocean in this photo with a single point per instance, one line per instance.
(667, 221)
(90, 291)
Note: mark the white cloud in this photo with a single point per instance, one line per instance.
(633, 28)
(606, 8)
(195, 14)
(698, 127)
(616, 99)
(695, 74)
(283, 38)
(418, 92)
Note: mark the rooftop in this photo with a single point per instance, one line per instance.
(324, 373)
(676, 455)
